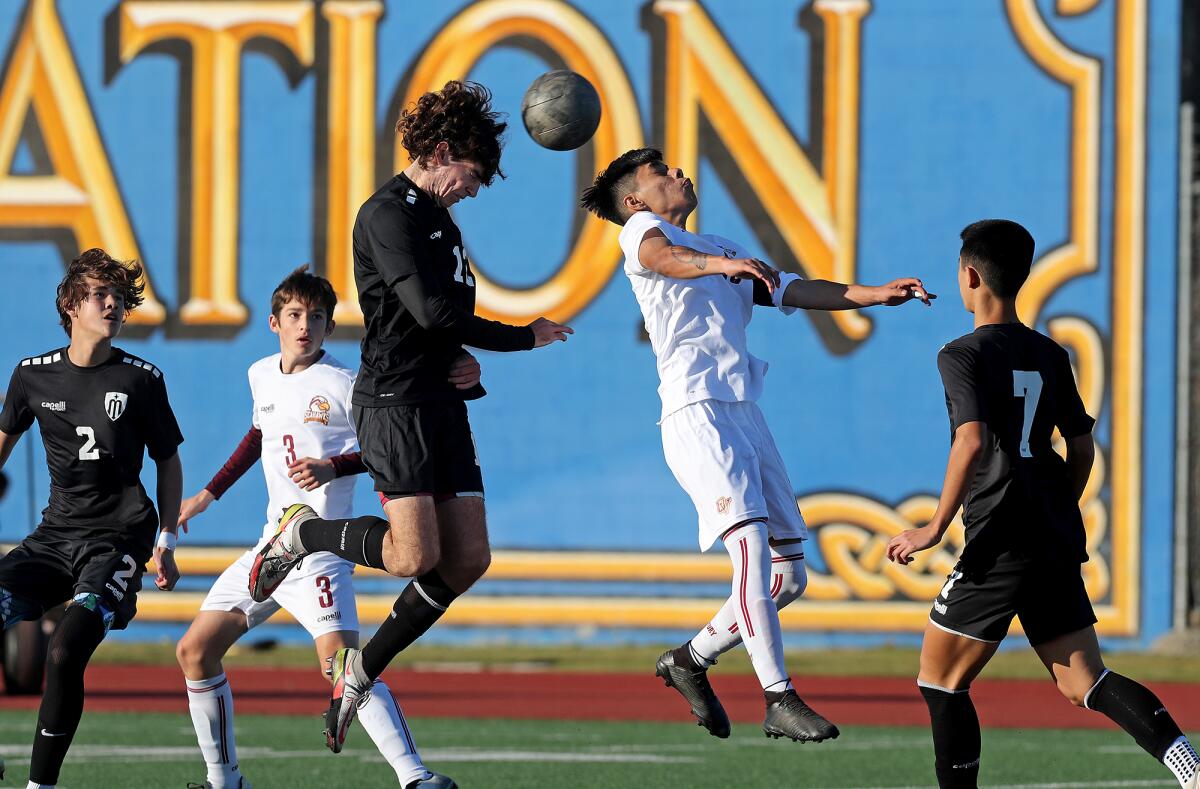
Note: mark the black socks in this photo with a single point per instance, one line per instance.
(75, 639)
(359, 540)
(956, 740)
(421, 604)
(1136, 710)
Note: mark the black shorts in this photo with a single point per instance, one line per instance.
(1049, 598)
(419, 450)
(48, 568)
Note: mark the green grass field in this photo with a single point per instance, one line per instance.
(153, 751)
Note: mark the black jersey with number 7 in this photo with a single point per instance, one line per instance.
(1019, 384)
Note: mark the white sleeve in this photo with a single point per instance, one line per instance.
(253, 399)
(632, 236)
(785, 278)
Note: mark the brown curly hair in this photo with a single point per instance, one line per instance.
(126, 277)
(461, 115)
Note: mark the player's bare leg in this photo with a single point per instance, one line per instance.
(949, 663)
(210, 699)
(1075, 663)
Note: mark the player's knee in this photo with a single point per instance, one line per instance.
(190, 653)
(475, 564)
(1072, 691)
(413, 563)
(790, 587)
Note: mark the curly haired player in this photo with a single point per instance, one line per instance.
(418, 299)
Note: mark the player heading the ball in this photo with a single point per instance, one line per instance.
(417, 293)
(714, 436)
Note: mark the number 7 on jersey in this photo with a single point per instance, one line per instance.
(1028, 385)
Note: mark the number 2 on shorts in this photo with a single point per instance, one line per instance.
(1028, 385)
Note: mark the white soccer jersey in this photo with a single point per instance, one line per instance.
(304, 414)
(697, 327)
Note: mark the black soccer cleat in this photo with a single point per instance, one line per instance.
(693, 685)
(434, 781)
(788, 716)
(279, 556)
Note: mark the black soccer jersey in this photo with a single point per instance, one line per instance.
(417, 294)
(1019, 384)
(96, 424)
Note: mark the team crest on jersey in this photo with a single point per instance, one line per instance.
(114, 404)
(318, 410)
(723, 503)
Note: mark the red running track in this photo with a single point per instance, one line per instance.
(604, 696)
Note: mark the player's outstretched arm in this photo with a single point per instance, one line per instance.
(169, 492)
(7, 442)
(819, 294)
(659, 255)
(965, 453)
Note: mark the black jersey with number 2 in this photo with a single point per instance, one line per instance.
(97, 424)
(1019, 384)
(417, 294)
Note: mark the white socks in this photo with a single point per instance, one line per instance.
(755, 612)
(384, 721)
(211, 705)
(788, 581)
(1182, 760)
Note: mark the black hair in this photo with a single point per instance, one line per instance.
(603, 197)
(1001, 251)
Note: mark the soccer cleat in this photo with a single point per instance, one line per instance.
(788, 716)
(242, 784)
(351, 689)
(434, 781)
(693, 685)
(278, 556)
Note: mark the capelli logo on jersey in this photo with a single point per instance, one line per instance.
(61, 405)
(318, 410)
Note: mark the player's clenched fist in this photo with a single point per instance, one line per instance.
(899, 291)
(546, 331)
(168, 573)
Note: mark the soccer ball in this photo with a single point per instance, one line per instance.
(561, 110)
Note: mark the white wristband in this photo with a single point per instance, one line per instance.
(166, 540)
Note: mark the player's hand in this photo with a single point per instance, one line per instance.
(546, 331)
(311, 473)
(464, 372)
(193, 506)
(900, 291)
(901, 547)
(168, 572)
(738, 269)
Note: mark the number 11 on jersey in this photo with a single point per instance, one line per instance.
(1028, 385)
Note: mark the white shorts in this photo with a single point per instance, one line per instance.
(725, 459)
(319, 593)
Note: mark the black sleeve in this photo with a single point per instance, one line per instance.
(1070, 416)
(160, 430)
(395, 241)
(17, 416)
(423, 298)
(964, 397)
(762, 296)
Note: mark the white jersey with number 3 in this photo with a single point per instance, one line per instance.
(697, 327)
(304, 414)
